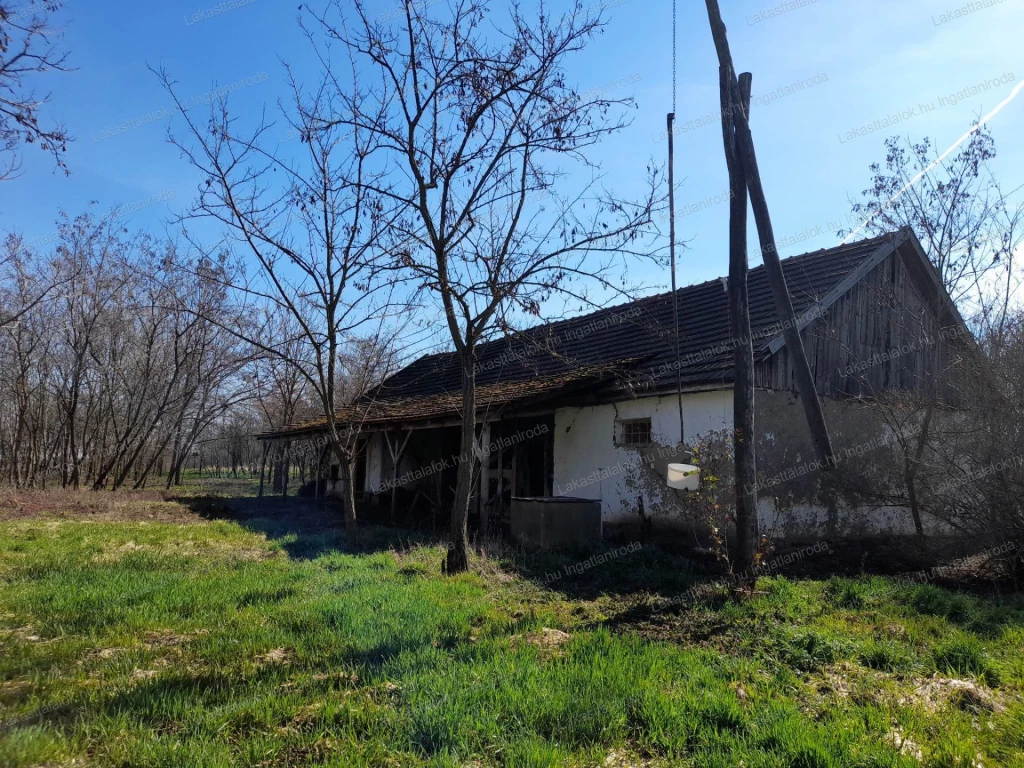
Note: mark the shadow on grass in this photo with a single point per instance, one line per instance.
(153, 701)
(614, 568)
(305, 528)
(60, 714)
(628, 563)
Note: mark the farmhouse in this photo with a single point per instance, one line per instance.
(588, 407)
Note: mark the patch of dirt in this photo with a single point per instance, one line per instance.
(677, 624)
(846, 681)
(232, 551)
(188, 548)
(114, 554)
(12, 691)
(547, 639)
(964, 695)
(741, 693)
(152, 640)
(497, 575)
(306, 715)
(166, 638)
(897, 739)
(98, 506)
(25, 634)
(281, 656)
(834, 682)
(315, 754)
(618, 759)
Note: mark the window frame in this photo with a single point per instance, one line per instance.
(626, 433)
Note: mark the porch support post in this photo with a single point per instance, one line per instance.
(263, 466)
(286, 468)
(396, 456)
(485, 462)
(317, 457)
(499, 494)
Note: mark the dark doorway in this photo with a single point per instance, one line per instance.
(520, 463)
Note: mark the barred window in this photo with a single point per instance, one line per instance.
(634, 432)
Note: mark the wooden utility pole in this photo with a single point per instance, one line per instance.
(773, 266)
(739, 324)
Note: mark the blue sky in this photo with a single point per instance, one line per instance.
(823, 69)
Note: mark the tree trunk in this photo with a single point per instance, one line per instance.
(275, 471)
(348, 468)
(174, 457)
(458, 553)
(75, 477)
(915, 509)
(912, 465)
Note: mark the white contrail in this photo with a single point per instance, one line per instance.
(939, 159)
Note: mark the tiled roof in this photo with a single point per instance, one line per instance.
(643, 329)
(543, 359)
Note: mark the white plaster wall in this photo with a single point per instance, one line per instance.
(809, 521)
(589, 465)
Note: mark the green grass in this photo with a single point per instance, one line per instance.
(214, 644)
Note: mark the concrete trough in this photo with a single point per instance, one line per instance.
(556, 521)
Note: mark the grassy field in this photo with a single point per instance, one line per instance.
(145, 632)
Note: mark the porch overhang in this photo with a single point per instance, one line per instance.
(445, 410)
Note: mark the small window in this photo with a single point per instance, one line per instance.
(634, 432)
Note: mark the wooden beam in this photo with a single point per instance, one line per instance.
(813, 313)
(770, 254)
(263, 466)
(319, 471)
(923, 267)
(485, 467)
(396, 457)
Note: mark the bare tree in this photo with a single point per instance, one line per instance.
(26, 348)
(279, 386)
(971, 230)
(34, 286)
(311, 227)
(975, 481)
(479, 129)
(103, 370)
(969, 227)
(27, 49)
(94, 254)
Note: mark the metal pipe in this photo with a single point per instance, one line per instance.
(672, 252)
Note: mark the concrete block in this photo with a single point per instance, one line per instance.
(556, 522)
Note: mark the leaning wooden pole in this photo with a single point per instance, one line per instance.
(739, 323)
(770, 254)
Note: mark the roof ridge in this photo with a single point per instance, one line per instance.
(648, 311)
(836, 250)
